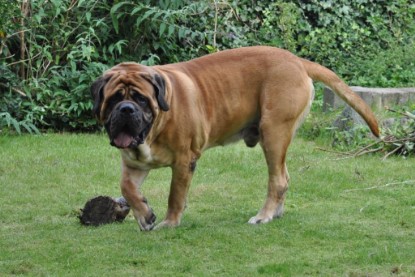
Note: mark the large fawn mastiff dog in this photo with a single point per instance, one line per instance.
(168, 115)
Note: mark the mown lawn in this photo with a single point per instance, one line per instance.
(333, 226)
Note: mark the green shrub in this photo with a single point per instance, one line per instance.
(392, 67)
(61, 100)
(51, 51)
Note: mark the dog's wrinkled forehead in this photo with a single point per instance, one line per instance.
(127, 67)
(127, 75)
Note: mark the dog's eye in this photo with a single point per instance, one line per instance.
(117, 97)
(140, 99)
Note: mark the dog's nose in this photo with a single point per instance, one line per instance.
(127, 108)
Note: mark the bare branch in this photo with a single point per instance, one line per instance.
(15, 90)
(407, 182)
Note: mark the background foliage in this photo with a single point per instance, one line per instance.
(51, 51)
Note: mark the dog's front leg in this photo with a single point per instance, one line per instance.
(182, 173)
(131, 181)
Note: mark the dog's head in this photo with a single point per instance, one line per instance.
(127, 98)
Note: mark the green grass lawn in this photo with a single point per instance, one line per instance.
(333, 226)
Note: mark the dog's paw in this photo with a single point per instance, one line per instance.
(167, 224)
(259, 219)
(265, 217)
(147, 223)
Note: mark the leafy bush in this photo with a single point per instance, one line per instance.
(7, 120)
(392, 67)
(71, 44)
(356, 136)
(61, 100)
(51, 51)
(341, 29)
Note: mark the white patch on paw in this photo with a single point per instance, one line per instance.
(259, 220)
(145, 226)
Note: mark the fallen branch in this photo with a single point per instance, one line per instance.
(392, 152)
(399, 140)
(15, 90)
(355, 153)
(407, 182)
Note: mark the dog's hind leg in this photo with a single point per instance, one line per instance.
(275, 140)
(280, 117)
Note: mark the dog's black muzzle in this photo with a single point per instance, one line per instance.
(126, 125)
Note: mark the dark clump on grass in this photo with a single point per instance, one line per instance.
(103, 210)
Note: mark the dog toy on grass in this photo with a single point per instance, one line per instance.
(103, 210)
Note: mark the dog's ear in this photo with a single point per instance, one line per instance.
(97, 93)
(160, 88)
(160, 85)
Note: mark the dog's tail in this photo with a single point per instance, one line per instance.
(320, 73)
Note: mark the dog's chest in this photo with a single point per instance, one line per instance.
(143, 158)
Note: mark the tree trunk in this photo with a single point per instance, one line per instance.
(25, 7)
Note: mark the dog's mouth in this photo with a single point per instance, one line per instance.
(126, 137)
(124, 140)
(124, 134)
